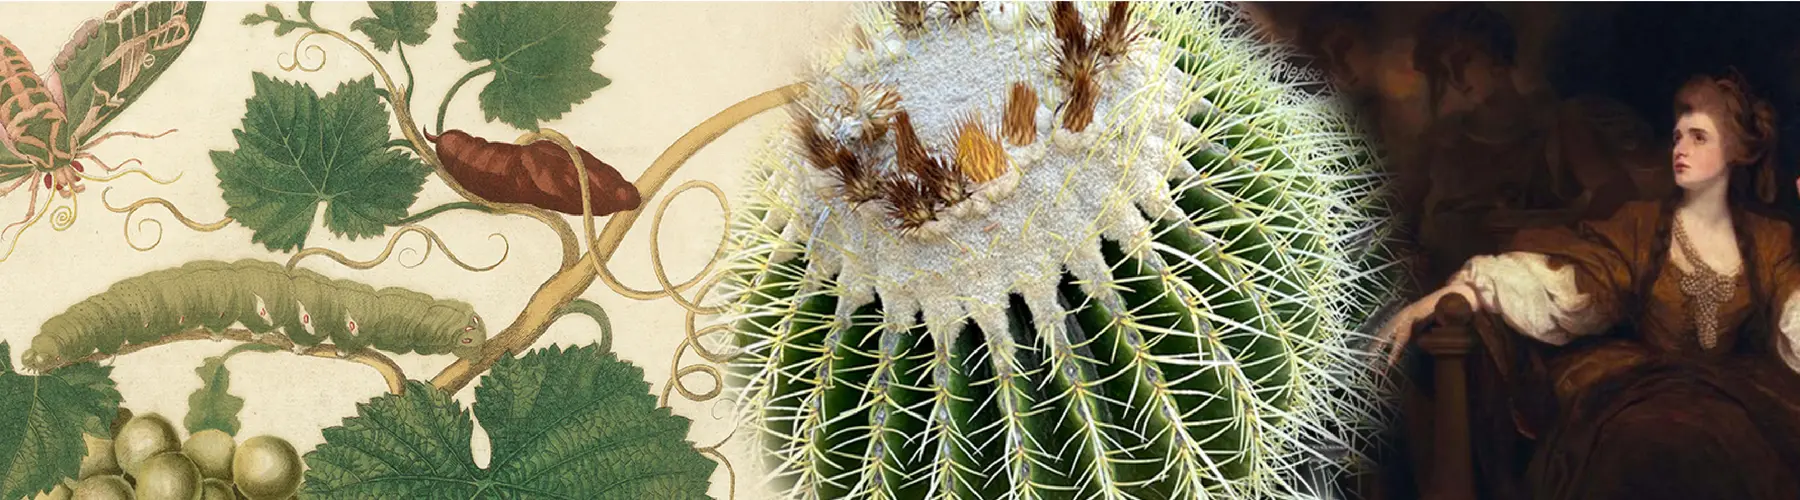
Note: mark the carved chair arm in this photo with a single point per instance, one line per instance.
(1449, 335)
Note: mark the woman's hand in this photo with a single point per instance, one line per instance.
(1398, 330)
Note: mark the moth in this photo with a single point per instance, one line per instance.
(50, 122)
(262, 297)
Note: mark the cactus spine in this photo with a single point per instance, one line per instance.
(1056, 250)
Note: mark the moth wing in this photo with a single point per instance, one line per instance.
(33, 127)
(109, 62)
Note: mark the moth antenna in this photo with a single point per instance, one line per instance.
(910, 16)
(102, 163)
(1019, 125)
(103, 137)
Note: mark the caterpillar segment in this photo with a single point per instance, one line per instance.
(261, 297)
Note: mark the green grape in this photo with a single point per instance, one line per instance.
(99, 460)
(102, 488)
(216, 489)
(266, 468)
(142, 438)
(211, 450)
(168, 476)
(120, 420)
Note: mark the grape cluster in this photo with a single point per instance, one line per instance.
(146, 460)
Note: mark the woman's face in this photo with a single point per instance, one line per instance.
(1699, 155)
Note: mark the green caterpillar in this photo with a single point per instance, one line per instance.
(307, 307)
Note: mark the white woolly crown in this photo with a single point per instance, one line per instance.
(1017, 233)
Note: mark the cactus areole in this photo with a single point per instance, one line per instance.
(1052, 250)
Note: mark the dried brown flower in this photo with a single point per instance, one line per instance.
(910, 16)
(909, 201)
(1084, 94)
(962, 10)
(1019, 125)
(1118, 32)
(979, 155)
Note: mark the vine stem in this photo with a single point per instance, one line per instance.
(408, 127)
(400, 48)
(568, 283)
(390, 371)
(444, 107)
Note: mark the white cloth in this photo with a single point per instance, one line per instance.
(1546, 305)
(1535, 300)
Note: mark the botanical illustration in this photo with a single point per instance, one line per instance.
(1059, 250)
(350, 159)
(53, 118)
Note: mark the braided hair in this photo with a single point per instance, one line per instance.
(1750, 122)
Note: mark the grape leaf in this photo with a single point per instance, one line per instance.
(212, 406)
(574, 423)
(397, 22)
(42, 419)
(297, 150)
(541, 54)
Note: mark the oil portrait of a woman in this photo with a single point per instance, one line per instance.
(1671, 329)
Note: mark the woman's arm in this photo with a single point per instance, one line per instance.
(1787, 342)
(1555, 284)
(1536, 298)
(1775, 244)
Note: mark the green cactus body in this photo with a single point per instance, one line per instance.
(1057, 251)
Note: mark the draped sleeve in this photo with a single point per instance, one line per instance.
(1777, 255)
(1557, 283)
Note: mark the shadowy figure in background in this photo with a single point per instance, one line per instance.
(1495, 159)
(1338, 37)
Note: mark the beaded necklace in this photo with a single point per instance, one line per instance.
(1704, 288)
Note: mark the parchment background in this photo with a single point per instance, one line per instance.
(672, 65)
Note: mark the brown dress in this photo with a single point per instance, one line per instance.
(1643, 410)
